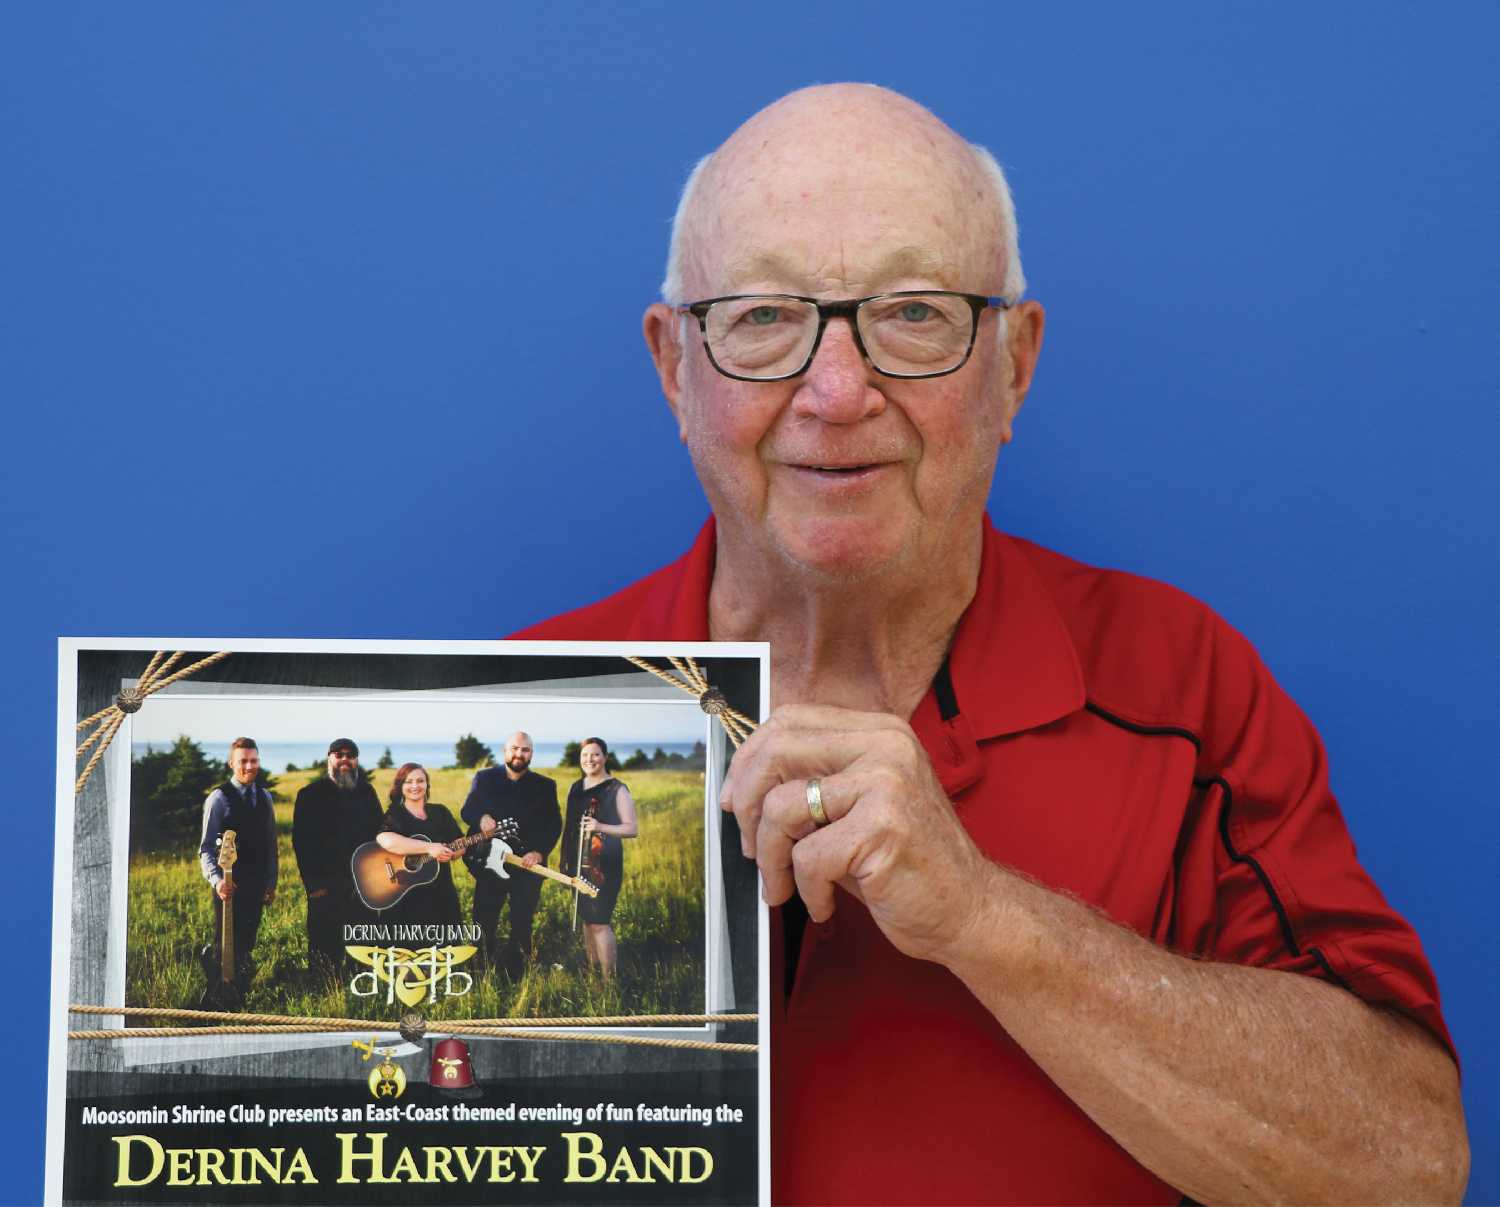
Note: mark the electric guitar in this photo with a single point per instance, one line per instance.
(223, 990)
(382, 878)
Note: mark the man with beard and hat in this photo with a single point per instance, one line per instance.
(333, 815)
(512, 791)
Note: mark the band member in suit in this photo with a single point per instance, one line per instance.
(242, 805)
(332, 816)
(512, 791)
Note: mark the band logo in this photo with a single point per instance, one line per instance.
(409, 976)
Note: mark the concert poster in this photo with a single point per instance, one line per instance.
(271, 983)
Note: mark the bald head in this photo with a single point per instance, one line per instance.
(823, 151)
(518, 752)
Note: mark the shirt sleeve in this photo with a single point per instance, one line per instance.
(214, 809)
(549, 821)
(1268, 873)
(273, 846)
(475, 803)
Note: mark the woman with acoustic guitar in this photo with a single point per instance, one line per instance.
(600, 815)
(413, 825)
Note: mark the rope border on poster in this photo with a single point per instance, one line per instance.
(737, 726)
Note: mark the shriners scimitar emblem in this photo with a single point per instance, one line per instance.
(387, 1079)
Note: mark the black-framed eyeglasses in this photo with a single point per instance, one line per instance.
(774, 336)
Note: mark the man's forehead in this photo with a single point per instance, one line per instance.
(788, 265)
(846, 184)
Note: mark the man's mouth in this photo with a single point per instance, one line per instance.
(841, 471)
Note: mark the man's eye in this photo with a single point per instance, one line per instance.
(763, 316)
(916, 312)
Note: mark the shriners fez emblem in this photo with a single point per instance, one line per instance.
(452, 1072)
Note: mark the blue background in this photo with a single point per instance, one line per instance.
(323, 321)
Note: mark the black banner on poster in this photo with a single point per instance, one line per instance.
(334, 1143)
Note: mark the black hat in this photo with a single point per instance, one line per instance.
(343, 744)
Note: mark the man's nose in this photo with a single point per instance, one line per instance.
(838, 386)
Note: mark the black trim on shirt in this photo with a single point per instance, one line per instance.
(942, 689)
(1288, 935)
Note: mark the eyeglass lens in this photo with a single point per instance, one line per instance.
(911, 334)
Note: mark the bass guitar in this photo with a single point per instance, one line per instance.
(223, 990)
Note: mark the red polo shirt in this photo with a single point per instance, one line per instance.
(1111, 738)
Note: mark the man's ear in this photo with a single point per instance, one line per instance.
(660, 327)
(1024, 324)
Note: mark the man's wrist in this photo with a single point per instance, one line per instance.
(992, 932)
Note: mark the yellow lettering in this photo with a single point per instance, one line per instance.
(499, 1159)
(686, 1155)
(122, 1168)
(471, 1170)
(349, 1156)
(211, 1163)
(179, 1167)
(623, 1164)
(405, 1164)
(655, 1162)
(584, 1146)
(300, 1166)
(260, 1162)
(529, 1158)
(439, 1157)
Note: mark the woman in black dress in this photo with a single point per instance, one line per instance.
(415, 826)
(601, 814)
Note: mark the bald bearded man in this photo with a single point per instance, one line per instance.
(1085, 921)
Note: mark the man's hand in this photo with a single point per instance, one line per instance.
(893, 839)
(441, 851)
(225, 889)
(531, 859)
(1113, 1019)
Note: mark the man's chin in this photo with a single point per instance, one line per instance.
(845, 551)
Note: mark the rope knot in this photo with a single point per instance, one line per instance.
(711, 701)
(413, 1027)
(129, 699)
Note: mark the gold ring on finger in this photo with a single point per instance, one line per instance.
(815, 803)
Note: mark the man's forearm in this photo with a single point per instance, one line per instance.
(1230, 1083)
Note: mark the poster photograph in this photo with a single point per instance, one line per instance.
(355, 922)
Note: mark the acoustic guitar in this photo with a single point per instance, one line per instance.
(382, 878)
(222, 990)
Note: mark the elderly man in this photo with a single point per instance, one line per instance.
(1085, 923)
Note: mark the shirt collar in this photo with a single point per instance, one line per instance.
(677, 603)
(1012, 661)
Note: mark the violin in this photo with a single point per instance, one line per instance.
(591, 850)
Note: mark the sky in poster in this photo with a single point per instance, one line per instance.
(373, 723)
